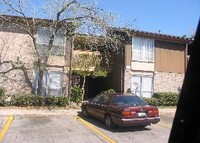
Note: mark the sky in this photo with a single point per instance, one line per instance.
(173, 17)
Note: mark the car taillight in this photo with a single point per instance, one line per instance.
(128, 114)
(154, 112)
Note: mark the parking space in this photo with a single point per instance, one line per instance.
(69, 126)
(49, 129)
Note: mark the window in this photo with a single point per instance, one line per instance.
(43, 37)
(129, 100)
(51, 83)
(142, 85)
(143, 49)
(104, 99)
(54, 83)
(76, 79)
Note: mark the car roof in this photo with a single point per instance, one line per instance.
(120, 94)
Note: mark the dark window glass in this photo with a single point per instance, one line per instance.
(96, 99)
(104, 99)
(128, 100)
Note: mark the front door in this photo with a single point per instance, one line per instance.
(51, 84)
(142, 85)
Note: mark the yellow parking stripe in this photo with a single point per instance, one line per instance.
(6, 127)
(95, 130)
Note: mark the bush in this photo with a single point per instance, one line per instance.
(163, 99)
(25, 100)
(108, 91)
(76, 96)
(151, 101)
(62, 101)
(2, 91)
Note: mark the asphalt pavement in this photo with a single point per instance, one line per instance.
(166, 114)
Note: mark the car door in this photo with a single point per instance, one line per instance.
(103, 106)
(93, 105)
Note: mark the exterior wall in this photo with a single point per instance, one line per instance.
(127, 73)
(142, 66)
(128, 51)
(127, 79)
(170, 66)
(167, 71)
(168, 82)
(17, 46)
(170, 57)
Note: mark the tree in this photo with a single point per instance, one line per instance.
(89, 63)
(75, 16)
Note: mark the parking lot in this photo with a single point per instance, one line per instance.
(68, 126)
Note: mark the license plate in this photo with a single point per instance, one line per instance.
(141, 114)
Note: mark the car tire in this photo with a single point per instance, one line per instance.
(84, 112)
(108, 122)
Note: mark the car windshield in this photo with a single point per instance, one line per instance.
(128, 100)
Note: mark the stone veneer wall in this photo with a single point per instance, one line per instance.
(168, 82)
(17, 46)
(127, 79)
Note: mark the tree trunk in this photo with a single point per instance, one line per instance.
(40, 78)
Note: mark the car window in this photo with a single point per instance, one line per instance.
(96, 99)
(104, 99)
(129, 100)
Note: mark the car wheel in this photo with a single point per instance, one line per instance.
(84, 112)
(108, 121)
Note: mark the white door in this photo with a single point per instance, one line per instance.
(142, 85)
(55, 83)
(136, 85)
(146, 86)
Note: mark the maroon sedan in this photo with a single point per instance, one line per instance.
(121, 109)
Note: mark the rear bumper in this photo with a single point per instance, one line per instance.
(136, 121)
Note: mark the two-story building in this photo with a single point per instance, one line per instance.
(148, 63)
(151, 62)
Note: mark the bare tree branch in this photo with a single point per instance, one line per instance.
(64, 8)
(17, 66)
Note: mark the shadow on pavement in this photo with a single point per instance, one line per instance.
(100, 124)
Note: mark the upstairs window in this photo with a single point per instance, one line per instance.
(43, 37)
(142, 49)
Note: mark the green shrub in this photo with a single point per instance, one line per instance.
(108, 91)
(24, 100)
(62, 101)
(152, 101)
(76, 96)
(163, 99)
(51, 101)
(2, 91)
